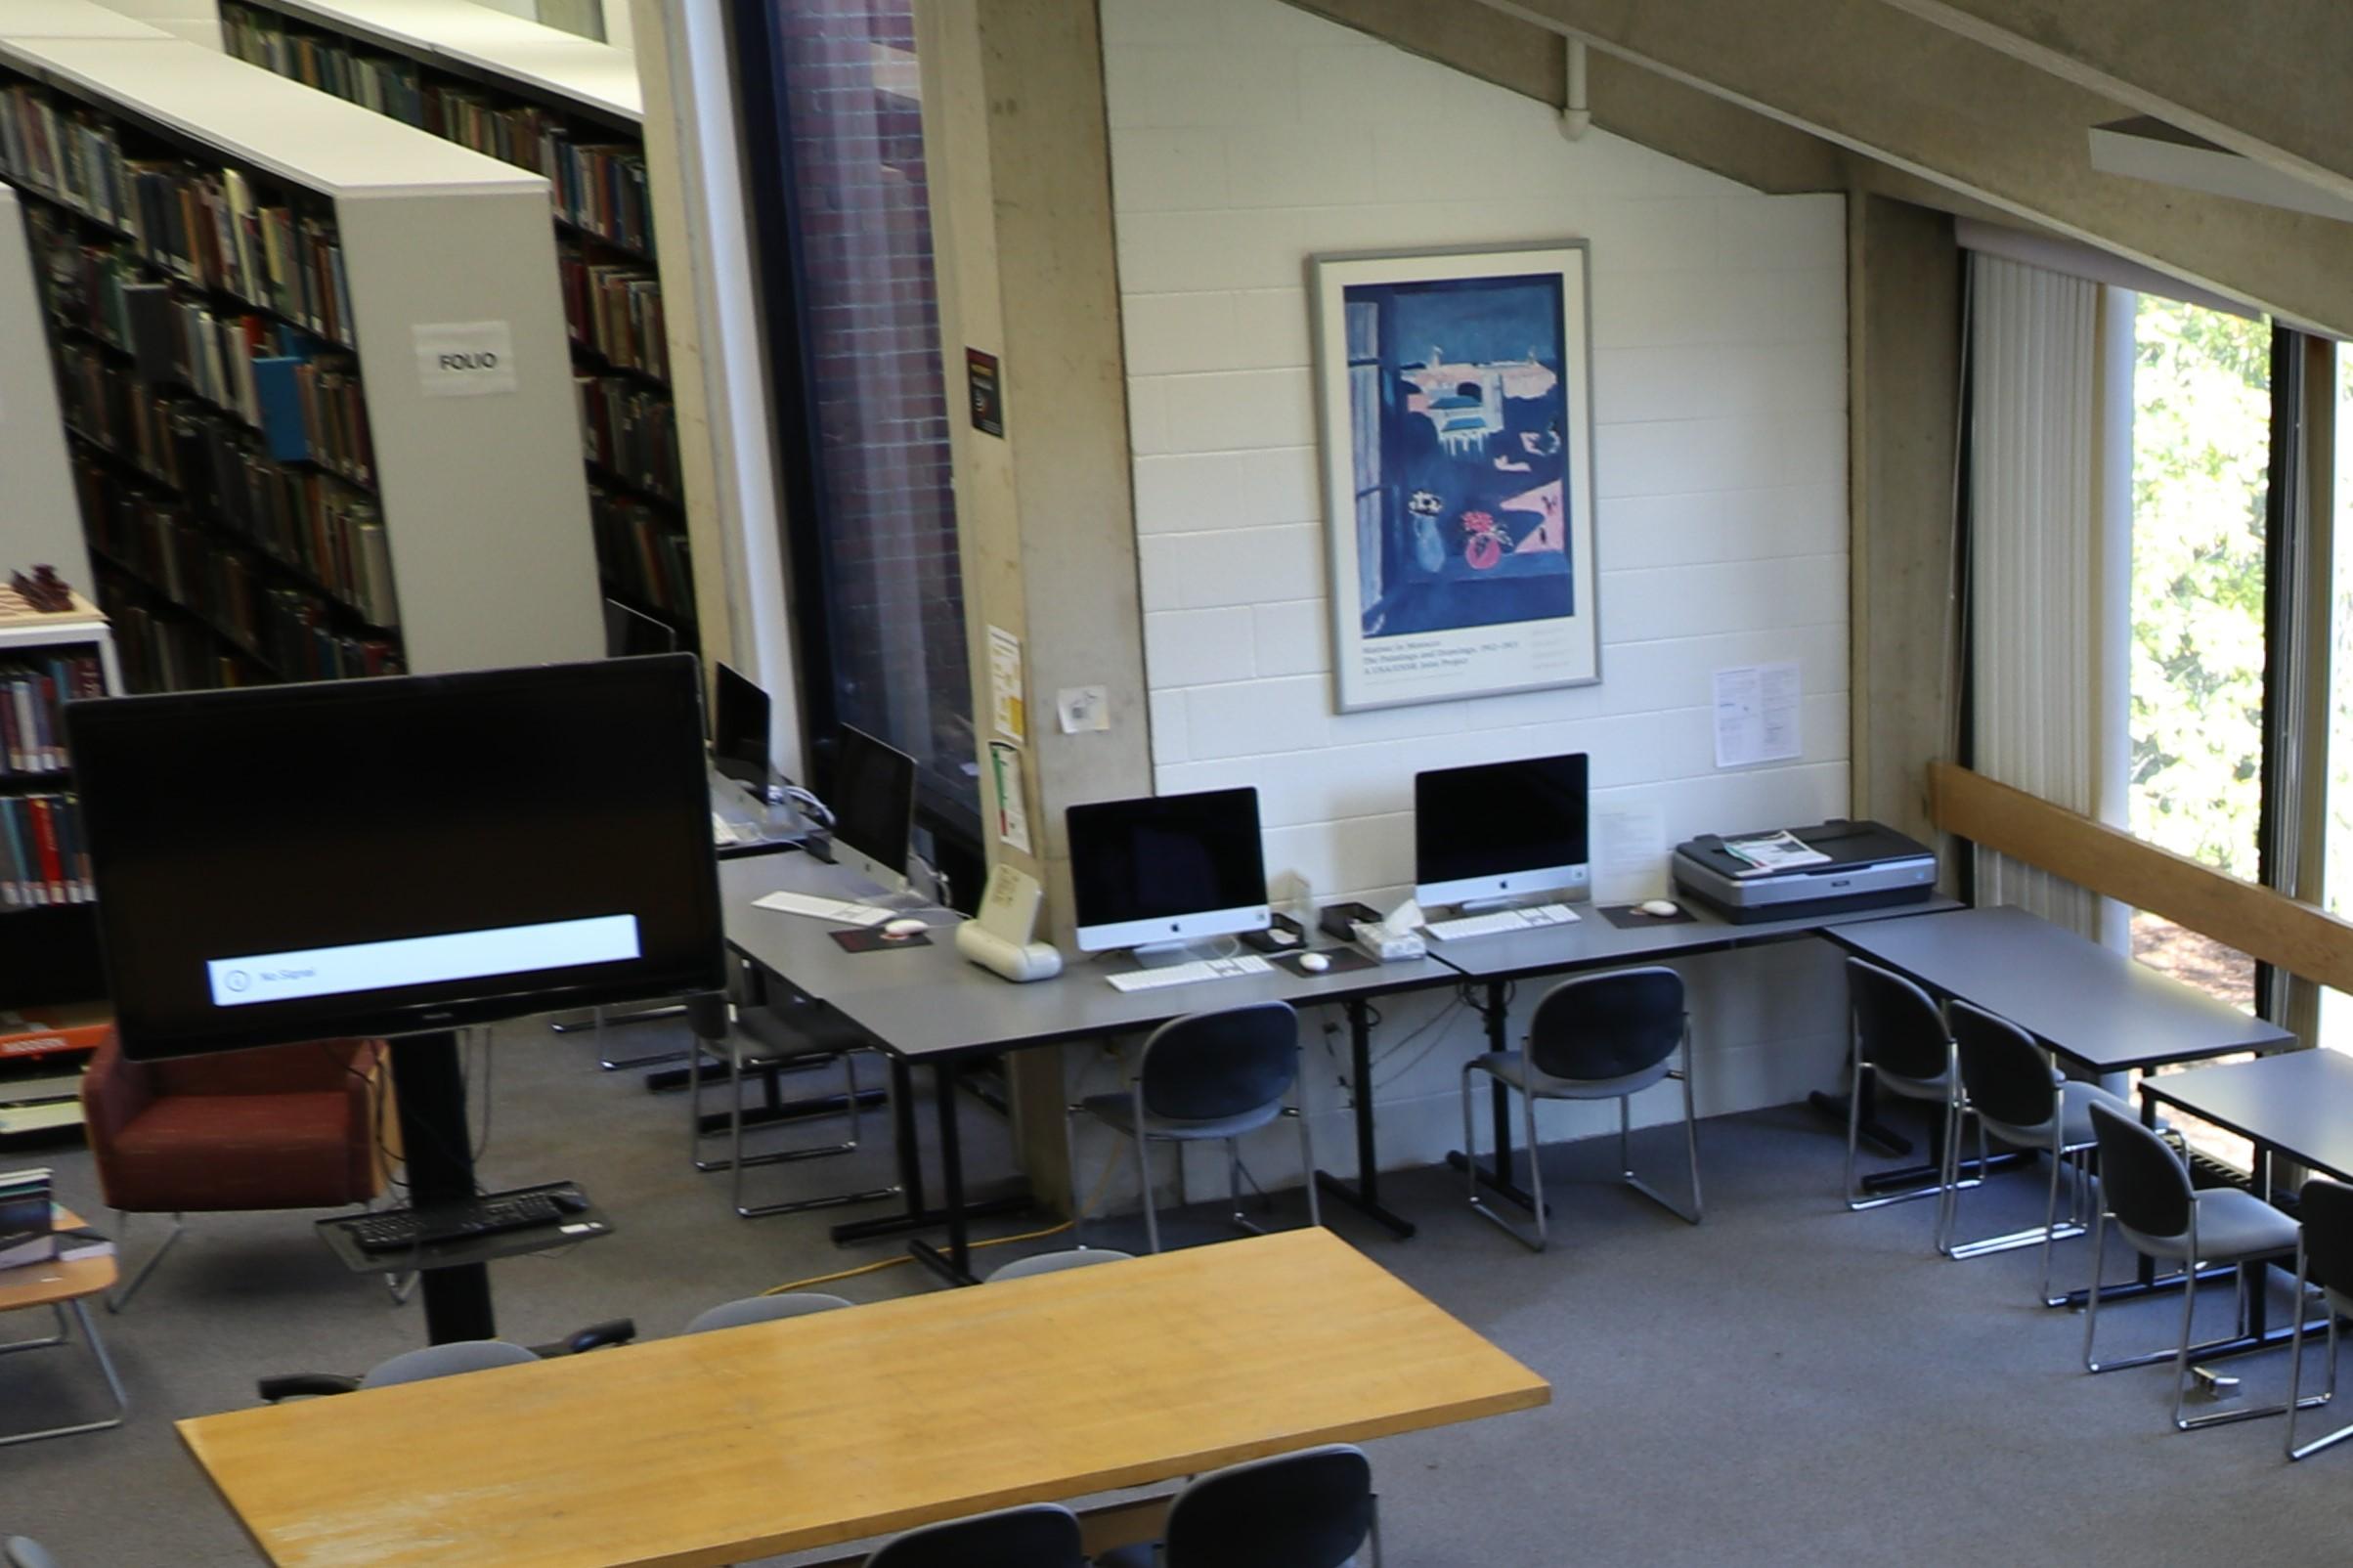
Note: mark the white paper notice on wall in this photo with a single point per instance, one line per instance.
(1756, 713)
(1013, 808)
(1082, 708)
(464, 358)
(1629, 852)
(1005, 685)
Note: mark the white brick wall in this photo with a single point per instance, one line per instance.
(1246, 136)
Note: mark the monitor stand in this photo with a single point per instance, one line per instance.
(1164, 955)
(428, 1080)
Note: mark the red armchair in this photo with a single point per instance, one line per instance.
(286, 1126)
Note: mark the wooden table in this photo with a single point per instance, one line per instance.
(60, 1286)
(713, 1448)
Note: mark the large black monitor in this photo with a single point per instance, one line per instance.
(1499, 830)
(1166, 869)
(739, 727)
(872, 804)
(391, 856)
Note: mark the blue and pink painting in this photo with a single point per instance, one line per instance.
(1457, 418)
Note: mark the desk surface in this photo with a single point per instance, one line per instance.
(713, 1448)
(1593, 943)
(43, 1285)
(2300, 1103)
(2087, 1002)
(931, 1001)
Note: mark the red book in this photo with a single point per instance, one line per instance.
(45, 845)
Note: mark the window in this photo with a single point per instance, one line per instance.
(2336, 874)
(834, 129)
(2201, 448)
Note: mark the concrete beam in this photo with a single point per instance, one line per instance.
(2267, 81)
(1948, 110)
(1626, 100)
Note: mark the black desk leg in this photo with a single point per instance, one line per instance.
(955, 1266)
(913, 1216)
(1365, 1195)
(1496, 1174)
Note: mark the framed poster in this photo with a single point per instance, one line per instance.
(1456, 391)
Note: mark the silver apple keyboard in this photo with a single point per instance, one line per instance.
(1535, 918)
(1199, 968)
(841, 909)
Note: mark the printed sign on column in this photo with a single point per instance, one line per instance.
(465, 359)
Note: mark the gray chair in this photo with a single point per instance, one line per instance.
(2011, 1086)
(1078, 1257)
(1042, 1534)
(2145, 1190)
(1315, 1508)
(451, 1360)
(1898, 1045)
(19, 1553)
(1211, 1075)
(1602, 1037)
(767, 1041)
(765, 1309)
(2325, 1248)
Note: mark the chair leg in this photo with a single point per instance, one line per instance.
(1855, 1122)
(1307, 1164)
(1948, 1171)
(1242, 1221)
(2050, 1209)
(2180, 1358)
(1688, 1215)
(2327, 1396)
(1470, 1159)
(2091, 1301)
(1151, 1215)
(120, 1296)
(1535, 1166)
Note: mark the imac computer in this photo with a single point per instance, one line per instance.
(1158, 873)
(399, 855)
(739, 729)
(1501, 831)
(872, 804)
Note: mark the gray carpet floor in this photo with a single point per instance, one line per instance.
(1785, 1383)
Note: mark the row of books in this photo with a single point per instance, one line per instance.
(313, 412)
(34, 693)
(203, 225)
(29, 1232)
(615, 310)
(328, 536)
(632, 432)
(169, 647)
(384, 83)
(643, 552)
(44, 858)
(165, 652)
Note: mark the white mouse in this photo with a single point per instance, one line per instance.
(904, 926)
(1663, 908)
(1314, 963)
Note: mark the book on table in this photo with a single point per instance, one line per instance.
(28, 1218)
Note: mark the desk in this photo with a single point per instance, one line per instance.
(929, 1006)
(2091, 1004)
(59, 1287)
(2298, 1104)
(716, 1448)
(1593, 943)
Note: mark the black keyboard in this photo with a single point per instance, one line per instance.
(412, 1228)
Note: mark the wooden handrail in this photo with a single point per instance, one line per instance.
(2259, 922)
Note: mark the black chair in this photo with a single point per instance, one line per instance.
(2325, 1249)
(1041, 1534)
(1315, 1508)
(1898, 1045)
(2145, 1188)
(1211, 1075)
(2018, 1095)
(769, 1040)
(446, 1360)
(1602, 1037)
(765, 1309)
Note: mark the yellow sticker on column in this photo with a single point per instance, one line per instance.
(1005, 685)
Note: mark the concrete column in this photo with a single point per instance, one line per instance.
(1904, 362)
(1019, 165)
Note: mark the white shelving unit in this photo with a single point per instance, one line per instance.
(483, 501)
(44, 516)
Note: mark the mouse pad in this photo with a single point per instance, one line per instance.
(1344, 960)
(870, 940)
(1626, 917)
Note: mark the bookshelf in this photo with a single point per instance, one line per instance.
(570, 109)
(223, 254)
(49, 952)
(44, 525)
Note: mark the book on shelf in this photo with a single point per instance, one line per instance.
(39, 1031)
(44, 859)
(28, 1217)
(34, 692)
(632, 432)
(613, 310)
(643, 553)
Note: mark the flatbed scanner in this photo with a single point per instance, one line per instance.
(1870, 867)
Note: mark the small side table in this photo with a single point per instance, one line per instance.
(60, 1286)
